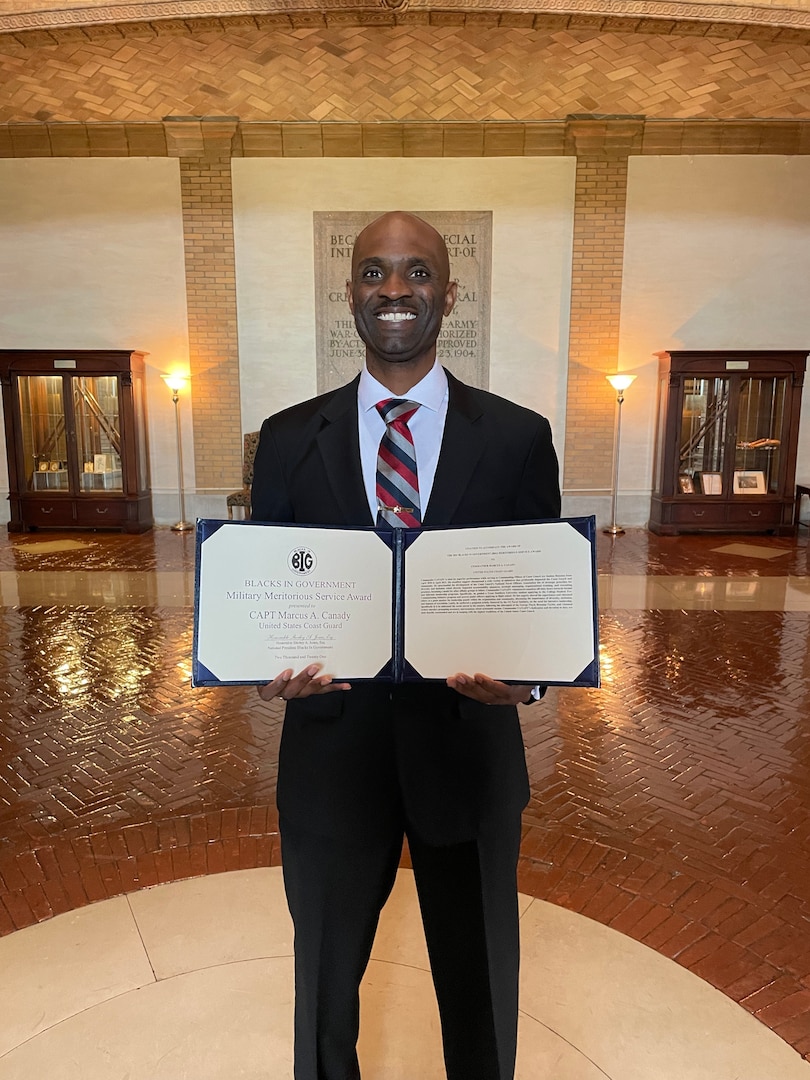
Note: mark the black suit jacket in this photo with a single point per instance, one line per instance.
(355, 763)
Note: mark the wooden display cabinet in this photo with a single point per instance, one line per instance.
(728, 431)
(76, 438)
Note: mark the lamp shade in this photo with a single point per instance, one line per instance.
(620, 381)
(175, 382)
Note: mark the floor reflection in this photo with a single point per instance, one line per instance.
(672, 804)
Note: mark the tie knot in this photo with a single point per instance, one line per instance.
(397, 409)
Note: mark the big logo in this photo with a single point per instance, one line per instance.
(301, 560)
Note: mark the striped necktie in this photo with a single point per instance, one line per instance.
(397, 482)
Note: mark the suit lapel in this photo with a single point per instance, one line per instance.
(339, 447)
(459, 455)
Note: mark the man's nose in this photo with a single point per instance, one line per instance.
(395, 286)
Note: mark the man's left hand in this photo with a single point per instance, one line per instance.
(488, 691)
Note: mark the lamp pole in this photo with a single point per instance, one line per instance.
(619, 383)
(176, 383)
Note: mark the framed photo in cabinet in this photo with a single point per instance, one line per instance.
(749, 483)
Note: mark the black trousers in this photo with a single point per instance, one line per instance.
(468, 899)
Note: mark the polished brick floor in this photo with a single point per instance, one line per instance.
(672, 804)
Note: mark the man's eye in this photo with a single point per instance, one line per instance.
(420, 272)
(371, 272)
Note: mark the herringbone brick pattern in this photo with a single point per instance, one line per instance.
(398, 73)
(159, 549)
(673, 804)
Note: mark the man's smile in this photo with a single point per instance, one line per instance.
(399, 292)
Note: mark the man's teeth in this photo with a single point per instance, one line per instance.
(396, 316)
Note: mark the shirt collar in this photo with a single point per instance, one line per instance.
(429, 392)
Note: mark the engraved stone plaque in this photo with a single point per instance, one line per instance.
(464, 340)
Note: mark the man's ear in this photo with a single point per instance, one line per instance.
(450, 297)
(349, 295)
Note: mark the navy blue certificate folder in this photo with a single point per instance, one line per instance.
(515, 601)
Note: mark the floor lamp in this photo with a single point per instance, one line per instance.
(176, 383)
(619, 384)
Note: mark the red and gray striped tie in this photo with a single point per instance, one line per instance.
(397, 482)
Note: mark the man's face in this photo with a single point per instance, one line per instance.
(400, 289)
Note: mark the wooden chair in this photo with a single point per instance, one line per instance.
(242, 497)
(801, 490)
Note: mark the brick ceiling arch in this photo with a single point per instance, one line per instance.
(366, 64)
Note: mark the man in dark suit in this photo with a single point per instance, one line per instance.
(441, 763)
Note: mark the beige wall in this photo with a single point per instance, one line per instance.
(717, 256)
(93, 258)
(532, 204)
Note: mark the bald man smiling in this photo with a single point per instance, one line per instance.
(363, 766)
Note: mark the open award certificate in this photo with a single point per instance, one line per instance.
(517, 602)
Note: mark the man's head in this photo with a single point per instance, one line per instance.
(399, 291)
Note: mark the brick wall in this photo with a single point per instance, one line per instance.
(596, 285)
(602, 151)
(207, 199)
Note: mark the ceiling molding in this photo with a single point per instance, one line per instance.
(601, 137)
(656, 16)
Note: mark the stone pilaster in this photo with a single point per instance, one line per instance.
(602, 146)
(204, 148)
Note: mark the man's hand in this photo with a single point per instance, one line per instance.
(488, 691)
(304, 684)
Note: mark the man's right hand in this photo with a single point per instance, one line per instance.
(304, 684)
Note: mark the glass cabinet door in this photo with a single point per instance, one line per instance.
(44, 433)
(731, 435)
(98, 432)
(759, 434)
(76, 439)
(727, 440)
(704, 424)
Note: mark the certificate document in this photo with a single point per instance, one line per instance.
(515, 601)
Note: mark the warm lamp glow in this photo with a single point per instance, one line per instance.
(620, 382)
(176, 383)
